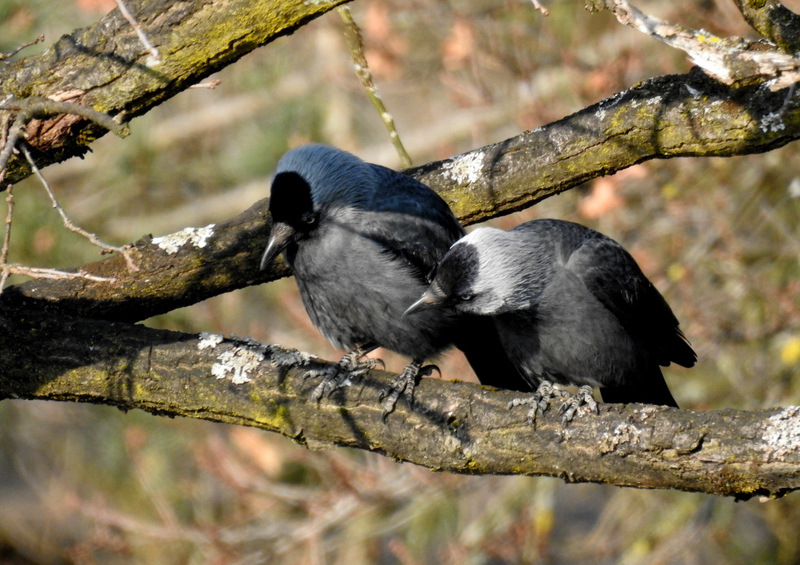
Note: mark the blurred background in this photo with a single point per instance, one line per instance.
(719, 237)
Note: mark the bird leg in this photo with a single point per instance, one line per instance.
(405, 383)
(571, 405)
(349, 366)
(539, 401)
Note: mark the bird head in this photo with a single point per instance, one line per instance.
(292, 211)
(309, 180)
(466, 278)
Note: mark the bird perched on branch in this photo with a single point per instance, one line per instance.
(571, 306)
(360, 240)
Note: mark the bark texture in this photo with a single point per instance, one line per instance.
(453, 427)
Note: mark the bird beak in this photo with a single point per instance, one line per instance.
(433, 296)
(281, 236)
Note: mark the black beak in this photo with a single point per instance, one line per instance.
(281, 236)
(432, 297)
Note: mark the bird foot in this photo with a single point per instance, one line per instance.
(581, 399)
(351, 366)
(405, 382)
(288, 358)
(539, 401)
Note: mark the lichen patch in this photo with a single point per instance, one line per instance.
(198, 237)
(782, 433)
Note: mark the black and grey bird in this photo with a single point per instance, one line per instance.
(360, 240)
(571, 306)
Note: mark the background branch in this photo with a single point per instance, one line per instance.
(107, 64)
(672, 116)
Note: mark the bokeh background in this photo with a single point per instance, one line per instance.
(719, 237)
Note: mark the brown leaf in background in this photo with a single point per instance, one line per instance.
(384, 47)
(459, 45)
(95, 5)
(602, 200)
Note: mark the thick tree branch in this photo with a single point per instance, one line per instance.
(107, 68)
(454, 427)
(685, 115)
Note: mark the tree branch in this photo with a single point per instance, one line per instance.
(774, 21)
(107, 68)
(730, 60)
(672, 116)
(454, 427)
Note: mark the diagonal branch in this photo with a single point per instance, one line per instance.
(111, 71)
(666, 117)
(453, 427)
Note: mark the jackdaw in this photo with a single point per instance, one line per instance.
(571, 306)
(360, 240)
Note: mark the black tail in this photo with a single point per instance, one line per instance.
(477, 338)
(650, 389)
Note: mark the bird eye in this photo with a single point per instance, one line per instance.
(466, 296)
(309, 218)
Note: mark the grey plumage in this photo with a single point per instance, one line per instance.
(360, 240)
(571, 307)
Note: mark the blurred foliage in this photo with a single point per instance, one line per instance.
(719, 237)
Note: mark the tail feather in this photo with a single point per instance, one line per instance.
(651, 389)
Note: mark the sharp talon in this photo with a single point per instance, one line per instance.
(403, 383)
(428, 370)
(539, 401)
(581, 399)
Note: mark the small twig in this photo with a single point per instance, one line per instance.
(7, 269)
(540, 7)
(43, 273)
(139, 32)
(105, 247)
(356, 44)
(12, 137)
(6, 239)
(3, 139)
(211, 85)
(38, 107)
(4, 56)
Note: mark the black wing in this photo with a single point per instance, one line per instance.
(612, 275)
(415, 224)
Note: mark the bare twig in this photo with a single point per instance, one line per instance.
(43, 273)
(4, 56)
(6, 239)
(38, 107)
(10, 141)
(7, 269)
(105, 247)
(156, 56)
(540, 8)
(210, 85)
(356, 44)
(732, 61)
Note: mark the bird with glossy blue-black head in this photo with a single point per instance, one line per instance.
(360, 240)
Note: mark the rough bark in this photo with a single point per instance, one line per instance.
(673, 116)
(774, 21)
(453, 427)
